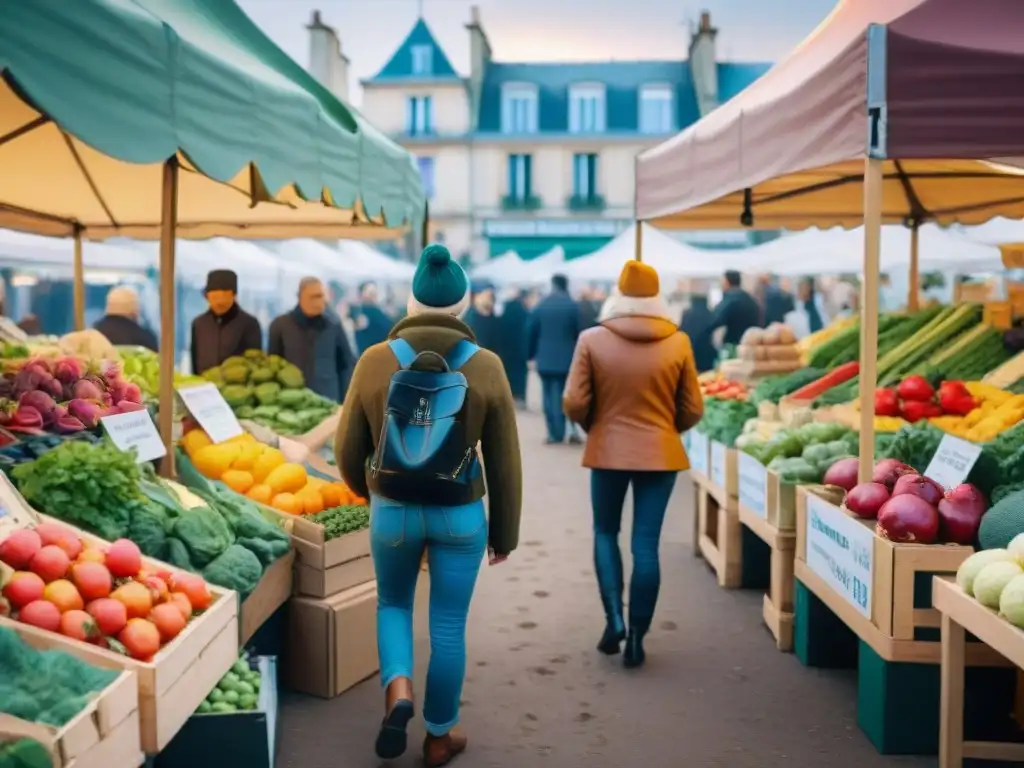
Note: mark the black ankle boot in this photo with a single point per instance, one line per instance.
(611, 640)
(634, 655)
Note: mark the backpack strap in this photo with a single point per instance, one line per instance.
(403, 351)
(461, 354)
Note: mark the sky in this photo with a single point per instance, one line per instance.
(543, 30)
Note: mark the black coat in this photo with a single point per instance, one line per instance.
(589, 312)
(514, 320)
(318, 347)
(554, 328)
(486, 329)
(124, 332)
(372, 325)
(736, 312)
(695, 323)
(777, 304)
(216, 338)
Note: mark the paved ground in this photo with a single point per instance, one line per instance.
(715, 692)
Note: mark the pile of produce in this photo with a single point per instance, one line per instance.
(915, 400)
(24, 753)
(107, 597)
(773, 388)
(270, 391)
(809, 343)
(100, 489)
(141, 367)
(237, 691)
(844, 346)
(64, 396)
(260, 473)
(342, 520)
(803, 454)
(1007, 375)
(995, 578)
(722, 388)
(28, 448)
(971, 356)
(996, 411)
(772, 350)
(723, 420)
(48, 687)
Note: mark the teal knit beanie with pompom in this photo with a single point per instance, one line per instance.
(439, 284)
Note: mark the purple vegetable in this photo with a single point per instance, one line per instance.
(68, 370)
(27, 380)
(40, 401)
(69, 424)
(59, 412)
(85, 411)
(86, 390)
(118, 389)
(133, 392)
(27, 416)
(127, 406)
(39, 365)
(51, 386)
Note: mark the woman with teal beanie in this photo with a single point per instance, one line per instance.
(455, 538)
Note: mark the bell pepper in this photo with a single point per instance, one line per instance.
(915, 388)
(916, 410)
(887, 403)
(956, 400)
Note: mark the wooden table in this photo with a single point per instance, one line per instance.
(961, 614)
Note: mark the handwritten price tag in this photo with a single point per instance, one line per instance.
(208, 407)
(753, 483)
(953, 461)
(15, 513)
(718, 464)
(841, 551)
(698, 451)
(135, 430)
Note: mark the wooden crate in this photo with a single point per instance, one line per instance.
(781, 503)
(273, 591)
(178, 678)
(314, 551)
(719, 536)
(777, 609)
(324, 583)
(698, 451)
(896, 620)
(723, 472)
(960, 614)
(104, 734)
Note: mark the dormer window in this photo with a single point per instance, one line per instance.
(586, 108)
(657, 109)
(422, 59)
(519, 108)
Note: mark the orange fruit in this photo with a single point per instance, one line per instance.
(311, 500)
(238, 480)
(261, 493)
(63, 594)
(335, 495)
(288, 503)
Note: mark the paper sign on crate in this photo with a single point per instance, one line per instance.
(753, 482)
(15, 512)
(952, 462)
(841, 550)
(135, 430)
(717, 473)
(210, 409)
(698, 451)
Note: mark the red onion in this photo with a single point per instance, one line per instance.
(908, 518)
(960, 514)
(918, 485)
(842, 473)
(888, 471)
(865, 499)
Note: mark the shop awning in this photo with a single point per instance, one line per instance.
(788, 150)
(97, 94)
(669, 256)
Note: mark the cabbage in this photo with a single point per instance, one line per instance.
(1011, 602)
(971, 567)
(1016, 547)
(993, 578)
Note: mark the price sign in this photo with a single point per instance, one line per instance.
(15, 513)
(135, 430)
(753, 482)
(209, 408)
(718, 463)
(841, 550)
(952, 462)
(698, 451)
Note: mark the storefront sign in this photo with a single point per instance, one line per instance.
(718, 454)
(952, 462)
(554, 228)
(841, 551)
(208, 407)
(753, 483)
(135, 430)
(698, 451)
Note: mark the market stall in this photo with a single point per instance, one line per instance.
(511, 269)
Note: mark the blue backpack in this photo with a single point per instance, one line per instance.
(423, 455)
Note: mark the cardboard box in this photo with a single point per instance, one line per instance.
(332, 643)
(313, 582)
(314, 551)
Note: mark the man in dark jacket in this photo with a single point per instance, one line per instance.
(481, 319)
(777, 302)
(736, 312)
(311, 339)
(225, 330)
(121, 324)
(554, 328)
(372, 324)
(515, 317)
(590, 307)
(695, 323)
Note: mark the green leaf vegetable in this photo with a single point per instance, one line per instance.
(339, 521)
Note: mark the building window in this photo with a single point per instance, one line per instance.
(519, 109)
(657, 109)
(426, 166)
(520, 177)
(419, 116)
(584, 176)
(586, 109)
(422, 59)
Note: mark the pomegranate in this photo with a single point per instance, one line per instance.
(865, 499)
(843, 473)
(960, 514)
(908, 518)
(888, 471)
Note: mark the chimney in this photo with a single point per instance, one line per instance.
(704, 64)
(326, 61)
(479, 58)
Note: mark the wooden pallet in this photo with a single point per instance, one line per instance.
(778, 600)
(719, 534)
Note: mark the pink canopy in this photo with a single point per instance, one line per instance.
(953, 89)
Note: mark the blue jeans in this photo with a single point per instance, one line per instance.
(651, 492)
(455, 539)
(552, 389)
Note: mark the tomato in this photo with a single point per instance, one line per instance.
(79, 625)
(168, 620)
(92, 579)
(110, 615)
(140, 638)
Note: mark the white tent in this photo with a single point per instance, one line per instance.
(379, 265)
(35, 252)
(996, 232)
(511, 269)
(670, 257)
(319, 260)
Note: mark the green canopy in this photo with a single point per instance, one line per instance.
(98, 94)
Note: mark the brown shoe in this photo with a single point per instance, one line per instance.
(441, 750)
(399, 710)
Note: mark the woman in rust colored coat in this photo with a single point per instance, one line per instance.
(633, 387)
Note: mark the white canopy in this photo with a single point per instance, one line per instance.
(670, 257)
(996, 232)
(511, 269)
(35, 252)
(343, 264)
(382, 267)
